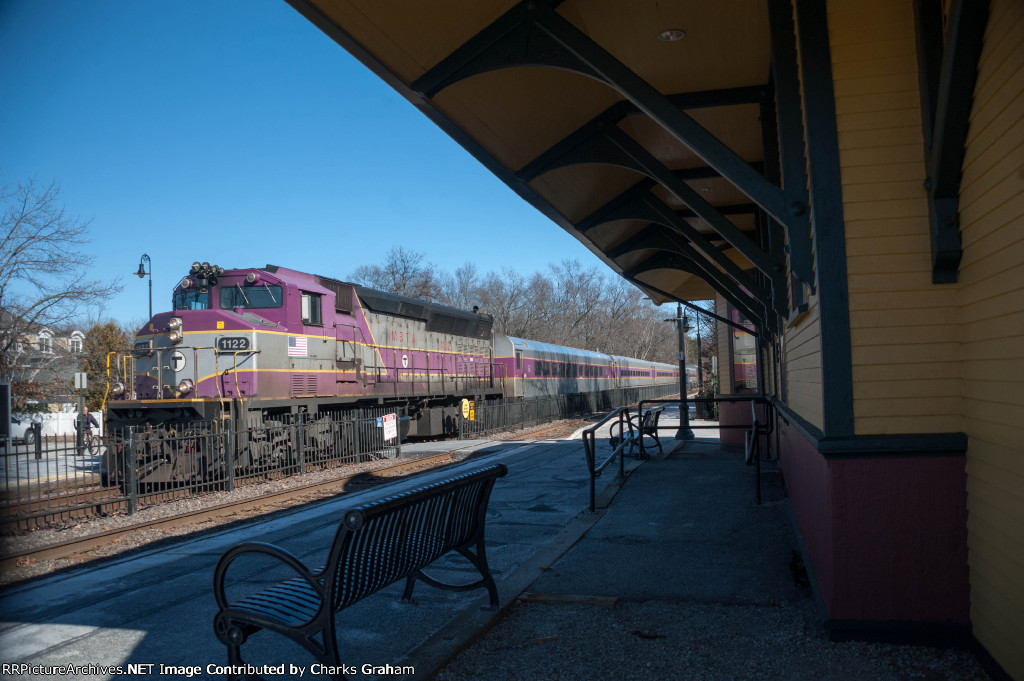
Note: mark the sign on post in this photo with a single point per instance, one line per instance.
(465, 409)
(80, 380)
(390, 427)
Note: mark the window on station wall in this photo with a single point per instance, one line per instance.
(744, 357)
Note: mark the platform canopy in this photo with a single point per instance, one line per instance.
(647, 129)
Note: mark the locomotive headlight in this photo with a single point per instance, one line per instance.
(174, 324)
(117, 389)
(185, 387)
(186, 283)
(252, 278)
(174, 337)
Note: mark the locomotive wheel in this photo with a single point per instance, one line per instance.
(112, 469)
(319, 436)
(270, 447)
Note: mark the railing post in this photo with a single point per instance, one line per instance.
(398, 436)
(230, 440)
(37, 428)
(133, 472)
(622, 454)
(298, 442)
(462, 419)
(357, 450)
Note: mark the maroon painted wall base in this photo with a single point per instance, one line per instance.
(884, 525)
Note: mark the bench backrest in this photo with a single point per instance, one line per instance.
(384, 541)
(651, 417)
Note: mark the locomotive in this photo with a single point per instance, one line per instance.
(257, 344)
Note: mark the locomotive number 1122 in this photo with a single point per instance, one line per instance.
(232, 343)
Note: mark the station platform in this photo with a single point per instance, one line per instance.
(679, 575)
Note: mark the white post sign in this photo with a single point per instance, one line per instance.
(80, 380)
(390, 427)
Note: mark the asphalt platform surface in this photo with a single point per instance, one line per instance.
(678, 575)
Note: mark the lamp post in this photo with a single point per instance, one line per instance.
(142, 273)
(683, 325)
(701, 406)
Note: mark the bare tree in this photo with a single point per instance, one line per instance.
(43, 267)
(403, 272)
(461, 290)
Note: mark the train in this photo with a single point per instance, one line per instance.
(262, 344)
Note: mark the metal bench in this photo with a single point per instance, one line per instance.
(635, 433)
(649, 428)
(376, 545)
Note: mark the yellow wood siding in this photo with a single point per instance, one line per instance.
(990, 298)
(903, 333)
(802, 362)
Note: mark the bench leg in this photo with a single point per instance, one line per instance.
(479, 561)
(234, 635)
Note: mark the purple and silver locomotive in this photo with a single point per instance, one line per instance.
(259, 344)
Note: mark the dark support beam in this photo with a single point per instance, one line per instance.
(608, 144)
(674, 261)
(652, 167)
(629, 205)
(650, 236)
(661, 110)
(788, 135)
(665, 294)
(754, 309)
(776, 232)
(826, 194)
(928, 24)
(947, 94)
(729, 209)
(639, 204)
(531, 34)
(658, 238)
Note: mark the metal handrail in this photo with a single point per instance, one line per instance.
(589, 449)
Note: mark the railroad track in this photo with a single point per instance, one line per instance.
(80, 548)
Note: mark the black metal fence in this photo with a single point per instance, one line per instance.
(130, 468)
(497, 416)
(134, 467)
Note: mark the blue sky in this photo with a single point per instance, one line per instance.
(236, 132)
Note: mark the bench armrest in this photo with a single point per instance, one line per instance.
(220, 572)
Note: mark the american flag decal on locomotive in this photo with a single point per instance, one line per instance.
(296, 346)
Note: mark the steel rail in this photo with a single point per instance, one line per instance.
(82, 545)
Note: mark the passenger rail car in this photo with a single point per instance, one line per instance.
(261, 344)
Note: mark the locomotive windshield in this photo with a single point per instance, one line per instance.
(191, 300)
(250, 296)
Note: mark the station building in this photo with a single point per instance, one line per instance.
(847, 178)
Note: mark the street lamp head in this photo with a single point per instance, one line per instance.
(686, 324)
(142, 271)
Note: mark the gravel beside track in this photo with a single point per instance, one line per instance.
(693, 641)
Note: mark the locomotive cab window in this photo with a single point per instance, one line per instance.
(311, 309)
(250, 297)
(192, 300)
